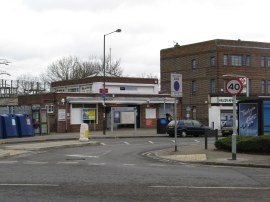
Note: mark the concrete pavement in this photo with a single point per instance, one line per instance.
(185, 154)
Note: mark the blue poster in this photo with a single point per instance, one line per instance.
(248, 119)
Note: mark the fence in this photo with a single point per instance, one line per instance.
(16, 110)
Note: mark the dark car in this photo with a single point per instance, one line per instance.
(187, 127)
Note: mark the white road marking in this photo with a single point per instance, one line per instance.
(34, 162)
(103, 144)
(68, 162)
(128, 164)
(82, 156)
(44, 185)
(193, 187)
(196, 140)
(126, 143)
(151, 142)
(173, 141)
(157, 165)
(8, 162)
(97, 164)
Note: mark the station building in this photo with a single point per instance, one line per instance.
(205, 69)
(129, 102)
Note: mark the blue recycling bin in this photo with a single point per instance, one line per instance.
(24, 125)
(1, 128)
(9, 126)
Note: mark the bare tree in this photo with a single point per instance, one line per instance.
(28, 84)
(72, 68)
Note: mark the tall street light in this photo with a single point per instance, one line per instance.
(104, 75)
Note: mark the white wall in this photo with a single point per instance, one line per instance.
(131, 88)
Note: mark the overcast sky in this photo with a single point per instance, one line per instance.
(35, 33)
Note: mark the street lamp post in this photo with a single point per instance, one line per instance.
(104, 76)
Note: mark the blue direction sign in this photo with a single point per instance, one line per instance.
(103, 95)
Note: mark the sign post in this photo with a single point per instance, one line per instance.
(176, 91)
(234, 86)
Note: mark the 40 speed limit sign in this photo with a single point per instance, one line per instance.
(234, 86)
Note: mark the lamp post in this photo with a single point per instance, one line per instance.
(104, 75)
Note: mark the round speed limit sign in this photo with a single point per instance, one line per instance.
(234, 86)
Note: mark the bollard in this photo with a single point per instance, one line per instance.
(205, 139)
(84, 133)
(216, 134)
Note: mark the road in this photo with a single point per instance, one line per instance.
(117, 171)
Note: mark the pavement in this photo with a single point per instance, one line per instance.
(192, 154)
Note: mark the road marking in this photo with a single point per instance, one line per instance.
(196, 140)
(81, 156)
(126, 143)
(43, 185)
(173, 141)
(8, 162)
(128, 164)
(193, 187)
(70, 162)
(34, 162)
(103, 144)
(151, 142)
(157, 165)
(97, 164)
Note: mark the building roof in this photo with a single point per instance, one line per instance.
(211, 45)
(107, 79)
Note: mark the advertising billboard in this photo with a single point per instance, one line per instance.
(88, 114)
(248, 119)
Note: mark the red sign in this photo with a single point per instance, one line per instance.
(234, 86)
(102, 91)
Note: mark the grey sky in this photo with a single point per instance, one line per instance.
(34, 33)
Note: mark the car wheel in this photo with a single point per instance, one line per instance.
(171, 135)
(184, 134)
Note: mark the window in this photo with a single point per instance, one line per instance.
(263, 86)
(268, 61)
(193, 90)
(225, 60)
(248, 60)
(50, 108)
(237, 60)
(262, 61)
(212, 86)
(73, 89)
(212, 61)
(86, 88)
(249, 86)
(193, 64)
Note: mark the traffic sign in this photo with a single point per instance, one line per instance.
(101, 90)
(176, 85)
(103, 95)
(234, 86)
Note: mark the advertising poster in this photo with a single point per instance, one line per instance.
(248, 119)
(88, 114)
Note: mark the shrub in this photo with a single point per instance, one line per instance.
(248, 144)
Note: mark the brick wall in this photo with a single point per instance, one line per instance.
(179, 59)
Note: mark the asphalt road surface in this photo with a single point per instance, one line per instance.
(117, 171)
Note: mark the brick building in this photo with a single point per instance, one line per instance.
(203, 66)
(73, 102)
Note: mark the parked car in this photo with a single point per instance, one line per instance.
(227, 128)
(187, 127)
